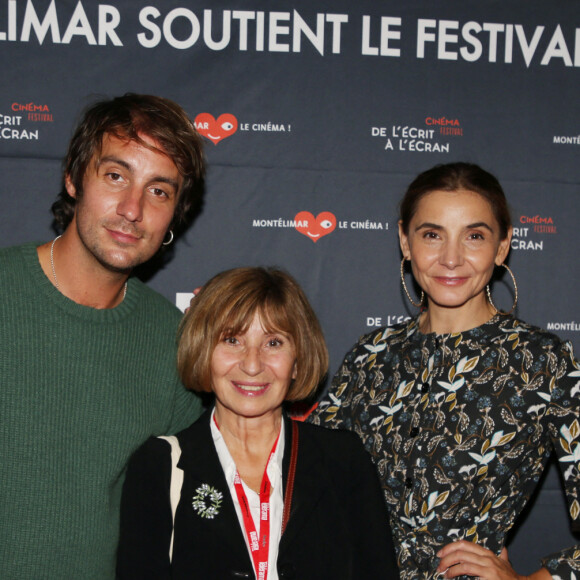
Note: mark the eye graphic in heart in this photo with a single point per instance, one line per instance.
(315, 227)
(216, 130)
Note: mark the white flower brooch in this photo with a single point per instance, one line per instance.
(207, 501)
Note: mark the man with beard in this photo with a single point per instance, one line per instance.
(87, 368)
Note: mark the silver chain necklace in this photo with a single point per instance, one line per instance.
(54, 271)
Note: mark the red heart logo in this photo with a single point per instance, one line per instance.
(225, 126)
(315, 228)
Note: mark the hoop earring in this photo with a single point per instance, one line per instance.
(415, 304)
(170, 239)
(488, 292)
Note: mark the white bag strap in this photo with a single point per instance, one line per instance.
(176, 482)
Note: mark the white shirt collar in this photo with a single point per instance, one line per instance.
(274, 470)
(274, 467)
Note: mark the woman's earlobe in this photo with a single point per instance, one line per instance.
(404, 242)
(503, 251)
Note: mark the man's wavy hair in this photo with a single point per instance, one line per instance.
(127, 117)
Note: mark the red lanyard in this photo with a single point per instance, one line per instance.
(259, 542)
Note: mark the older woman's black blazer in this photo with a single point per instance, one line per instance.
(338, 527)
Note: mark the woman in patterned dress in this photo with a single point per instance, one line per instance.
(461, 406)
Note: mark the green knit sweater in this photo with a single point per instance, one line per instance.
(80, 390)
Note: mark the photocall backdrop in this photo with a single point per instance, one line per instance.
(316, 116)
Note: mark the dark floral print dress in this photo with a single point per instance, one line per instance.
(460, 427)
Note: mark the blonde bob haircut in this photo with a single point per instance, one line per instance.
(226, 306)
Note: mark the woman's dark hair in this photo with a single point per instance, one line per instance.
(453, 177)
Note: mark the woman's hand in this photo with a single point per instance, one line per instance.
(466, 558)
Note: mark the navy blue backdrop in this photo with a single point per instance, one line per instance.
(316, 117)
